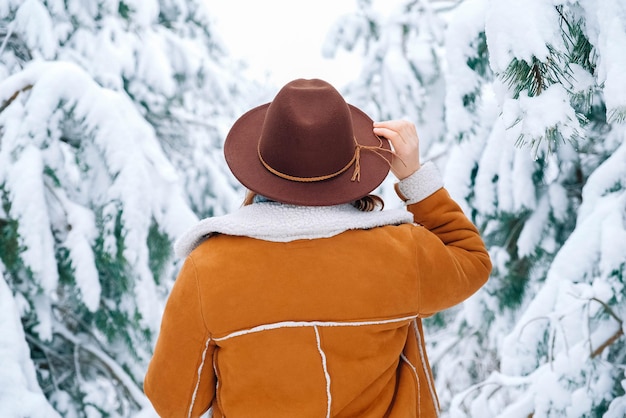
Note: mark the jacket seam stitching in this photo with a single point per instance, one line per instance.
(195, 390)
(417, 380)
(431, 388)
(329, 397)
(419, 279)
(304, 324)
(218, 379)
(195, 275)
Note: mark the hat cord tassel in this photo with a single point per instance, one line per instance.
(356, 176)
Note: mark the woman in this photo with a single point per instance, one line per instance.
(306, 302)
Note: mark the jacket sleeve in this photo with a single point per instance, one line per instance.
(452, 261)
(180, 381)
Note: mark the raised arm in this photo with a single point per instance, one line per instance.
(453, 262)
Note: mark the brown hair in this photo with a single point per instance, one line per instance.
(369, 203)
(249, 199)
(365, 204)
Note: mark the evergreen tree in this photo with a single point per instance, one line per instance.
(549, 320)
(533, 115)
(111, 120)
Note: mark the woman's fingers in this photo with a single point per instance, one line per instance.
(393, 137)
(405, 129)
(405, 143)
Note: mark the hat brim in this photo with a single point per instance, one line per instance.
(240, 151)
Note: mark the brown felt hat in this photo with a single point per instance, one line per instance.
(307, 147)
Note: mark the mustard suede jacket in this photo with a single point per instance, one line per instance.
(287, 311)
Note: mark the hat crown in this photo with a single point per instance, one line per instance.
(307, 147)
(307, 131)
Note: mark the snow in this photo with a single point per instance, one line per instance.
(521, 29)
(611, 174)
(533, 230)
(617, 409)
(607, 32)
(20, 395)
(33, 19)
(558, 200)
(155, 67)
(29, 206)
(461, 161)
(527, 119)
(146, 12)
(584, 244)
(79, 241)
(104, 53)
(465, 23)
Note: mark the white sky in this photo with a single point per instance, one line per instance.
(281, 40)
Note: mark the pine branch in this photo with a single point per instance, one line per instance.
(115, 369)
(14, 43)
(13, 97)
(559, 10)
(501, 381)
(579, 49)
(539, 82)
(617, 115)
(615, 335)
(444, 6)
(46, 352)
(537, 75)
(607, 343)
(7, 37)
(86, 327)
(608, 310)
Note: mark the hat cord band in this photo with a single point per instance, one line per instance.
(356, 160)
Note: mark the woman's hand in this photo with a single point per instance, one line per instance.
(405, 144)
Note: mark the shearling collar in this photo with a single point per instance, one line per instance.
(278, 222)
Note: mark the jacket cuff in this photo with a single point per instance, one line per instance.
(419, 185)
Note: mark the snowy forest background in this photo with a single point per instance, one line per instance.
(112, 117)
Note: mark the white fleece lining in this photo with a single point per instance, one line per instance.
(326, 374)
(272, 221)
(431, 385)
(417, 379)
(278, 222)
(195, 390)
(421, 184)
(298, 324)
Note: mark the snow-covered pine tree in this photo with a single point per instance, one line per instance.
(111, 116)
(535, 338)
(547, 182)
(534, 112)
